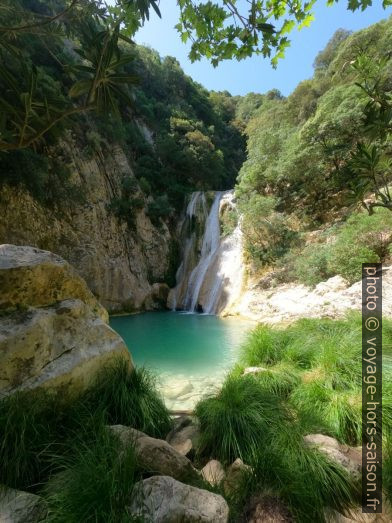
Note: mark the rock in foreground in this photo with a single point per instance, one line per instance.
(156, 455)
(164, 500)
(20, 507)
(54, 346)
(185, 435)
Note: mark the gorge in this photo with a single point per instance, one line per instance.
(180, 273)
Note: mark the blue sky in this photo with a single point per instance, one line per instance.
(256, 74)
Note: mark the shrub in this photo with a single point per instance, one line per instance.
(129, 397)
(159, 209)
(317, 364)
(311, 265)
(347, 256)
(264, 346)
(229, 221)
(94, 482)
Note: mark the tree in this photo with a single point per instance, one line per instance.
(31, 103)
(370, 166)
(219, 31)
(228, 29)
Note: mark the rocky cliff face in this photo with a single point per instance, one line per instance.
(119, 265)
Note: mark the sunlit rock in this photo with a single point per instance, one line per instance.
(62, 345)
(213, 472)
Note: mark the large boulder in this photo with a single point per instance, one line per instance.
(164, 500)
(31, 277)
(53, 331)
(61, 345)
(156, 455)
(20, 507)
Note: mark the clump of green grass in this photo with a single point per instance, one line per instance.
(94, 482)
(129, 398)
(247, 420)
(238, 419)
(306, 480)
(323, 358)
(264, 346)
(30, 424)
(35, 426)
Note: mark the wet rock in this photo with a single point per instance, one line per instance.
(156, 455)
(162, 499)
(20, 507)
(213, 472)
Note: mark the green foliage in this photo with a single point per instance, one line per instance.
(310, 265)
(40, 431)
(303, 478)
(129, 398)
(227, 30)
(40, 92)
(29, 425)
(94, 482)
(325, 147)
(125, 207)
(159, 209)
(312, 381)
(387, 469)
(267, 234)
(324, 361)
(228, 221)
(240, 418)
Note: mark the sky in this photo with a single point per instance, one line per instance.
(256, 74)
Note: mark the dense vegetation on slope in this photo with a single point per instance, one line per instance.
(178, 136)
(316, 154)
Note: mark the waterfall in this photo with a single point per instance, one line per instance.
(211, 241)
(211, 272)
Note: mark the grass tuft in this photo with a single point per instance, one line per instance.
(129, 398)
(95, 481)
(36, 427)
(239, 419)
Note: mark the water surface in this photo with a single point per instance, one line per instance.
(190, 352)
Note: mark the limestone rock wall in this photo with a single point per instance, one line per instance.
(119, 265)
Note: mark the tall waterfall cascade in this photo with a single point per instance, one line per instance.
(211, 273)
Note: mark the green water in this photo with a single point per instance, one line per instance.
(182, 344)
